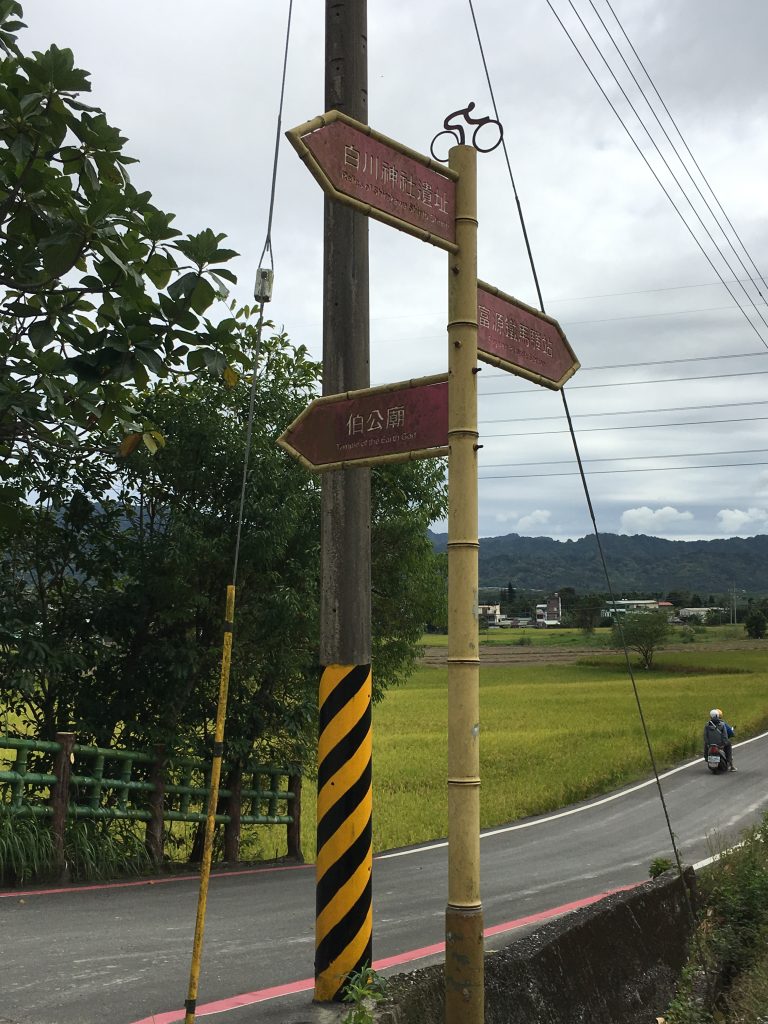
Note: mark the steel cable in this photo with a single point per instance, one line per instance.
(591, 511)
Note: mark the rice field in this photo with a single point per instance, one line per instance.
(550, 735)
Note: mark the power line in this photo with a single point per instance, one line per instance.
(664, 159)
(654, 362)
(642, 291)
(633, 426)
(628, 383)
(629, 458)
(687, 147)
(631, 412)
(648, 316)
(630, 672)
(653, 172)
(672, 144)
(601, 472)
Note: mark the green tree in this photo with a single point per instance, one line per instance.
(756, 623)
(642, 632)
(98, 291)
(586, 612)
(56, 575)
(139, 597)
(409, 581)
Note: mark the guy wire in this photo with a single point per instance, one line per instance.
(588, 497)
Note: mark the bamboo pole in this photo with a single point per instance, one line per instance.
(463, 916)
(190, 1004)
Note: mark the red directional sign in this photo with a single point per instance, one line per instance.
(394, 423)
(380, 177)
(521, 339)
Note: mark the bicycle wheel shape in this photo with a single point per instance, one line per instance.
(453, 135)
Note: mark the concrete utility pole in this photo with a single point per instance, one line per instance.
(344, 853)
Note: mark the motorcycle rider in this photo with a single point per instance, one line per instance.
(715, 733)
(729, 731)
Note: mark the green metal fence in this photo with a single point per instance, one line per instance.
(64, 780)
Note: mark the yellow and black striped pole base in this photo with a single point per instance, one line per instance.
(343, 920)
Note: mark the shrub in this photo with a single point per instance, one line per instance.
(732, 931)
(26, 848)
(95, 850)
(658, 866)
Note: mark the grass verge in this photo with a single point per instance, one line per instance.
(726, 978)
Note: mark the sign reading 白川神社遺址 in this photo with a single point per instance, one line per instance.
(385, 180)
(519, 338)
(394, 423)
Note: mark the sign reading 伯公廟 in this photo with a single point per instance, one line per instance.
(394, 423)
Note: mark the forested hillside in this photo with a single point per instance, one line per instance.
(636, 563)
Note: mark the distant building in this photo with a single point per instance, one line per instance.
(550, 613)
(626, 605)
(490, 612)
(697, 613)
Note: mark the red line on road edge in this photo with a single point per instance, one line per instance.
(262, 995)
(9, 893)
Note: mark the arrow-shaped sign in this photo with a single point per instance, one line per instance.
(393, 423)
(521, 339)
(379, 177)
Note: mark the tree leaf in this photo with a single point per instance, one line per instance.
(158, 269)
(202, 296)
(41, 334)
(129, 444)
(183, 286)
(150, 442)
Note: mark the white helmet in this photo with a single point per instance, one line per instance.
(714, 714)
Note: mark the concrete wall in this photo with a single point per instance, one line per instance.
(615, 962)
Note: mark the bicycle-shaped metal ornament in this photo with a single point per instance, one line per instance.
(458, 136)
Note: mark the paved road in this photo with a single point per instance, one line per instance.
(121, 953)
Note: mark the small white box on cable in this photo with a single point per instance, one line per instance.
(262, 290)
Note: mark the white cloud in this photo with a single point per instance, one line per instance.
(658, 301)
(539, 517)
(735, 520)
(653, 521)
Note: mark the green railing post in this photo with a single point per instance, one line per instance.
(293, 828)
(98, 775)
(17, 787)
(274, 785)
(234, 810)
(62, 768)
(124, 790)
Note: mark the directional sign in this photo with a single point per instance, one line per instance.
(380, 177)
(394, 423)
(521, 339)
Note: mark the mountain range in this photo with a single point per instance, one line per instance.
(635, 563)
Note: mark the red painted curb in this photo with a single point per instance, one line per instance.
(262, 995)
(74, 889)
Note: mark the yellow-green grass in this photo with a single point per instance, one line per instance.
(601, 637)
(550, 735)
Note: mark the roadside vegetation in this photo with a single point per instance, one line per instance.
(551, 735)
(726, 978)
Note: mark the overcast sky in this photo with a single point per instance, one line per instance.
(669, 404)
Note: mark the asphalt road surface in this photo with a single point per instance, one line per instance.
(121, 952)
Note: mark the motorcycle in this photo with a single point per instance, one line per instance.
(716, 761)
